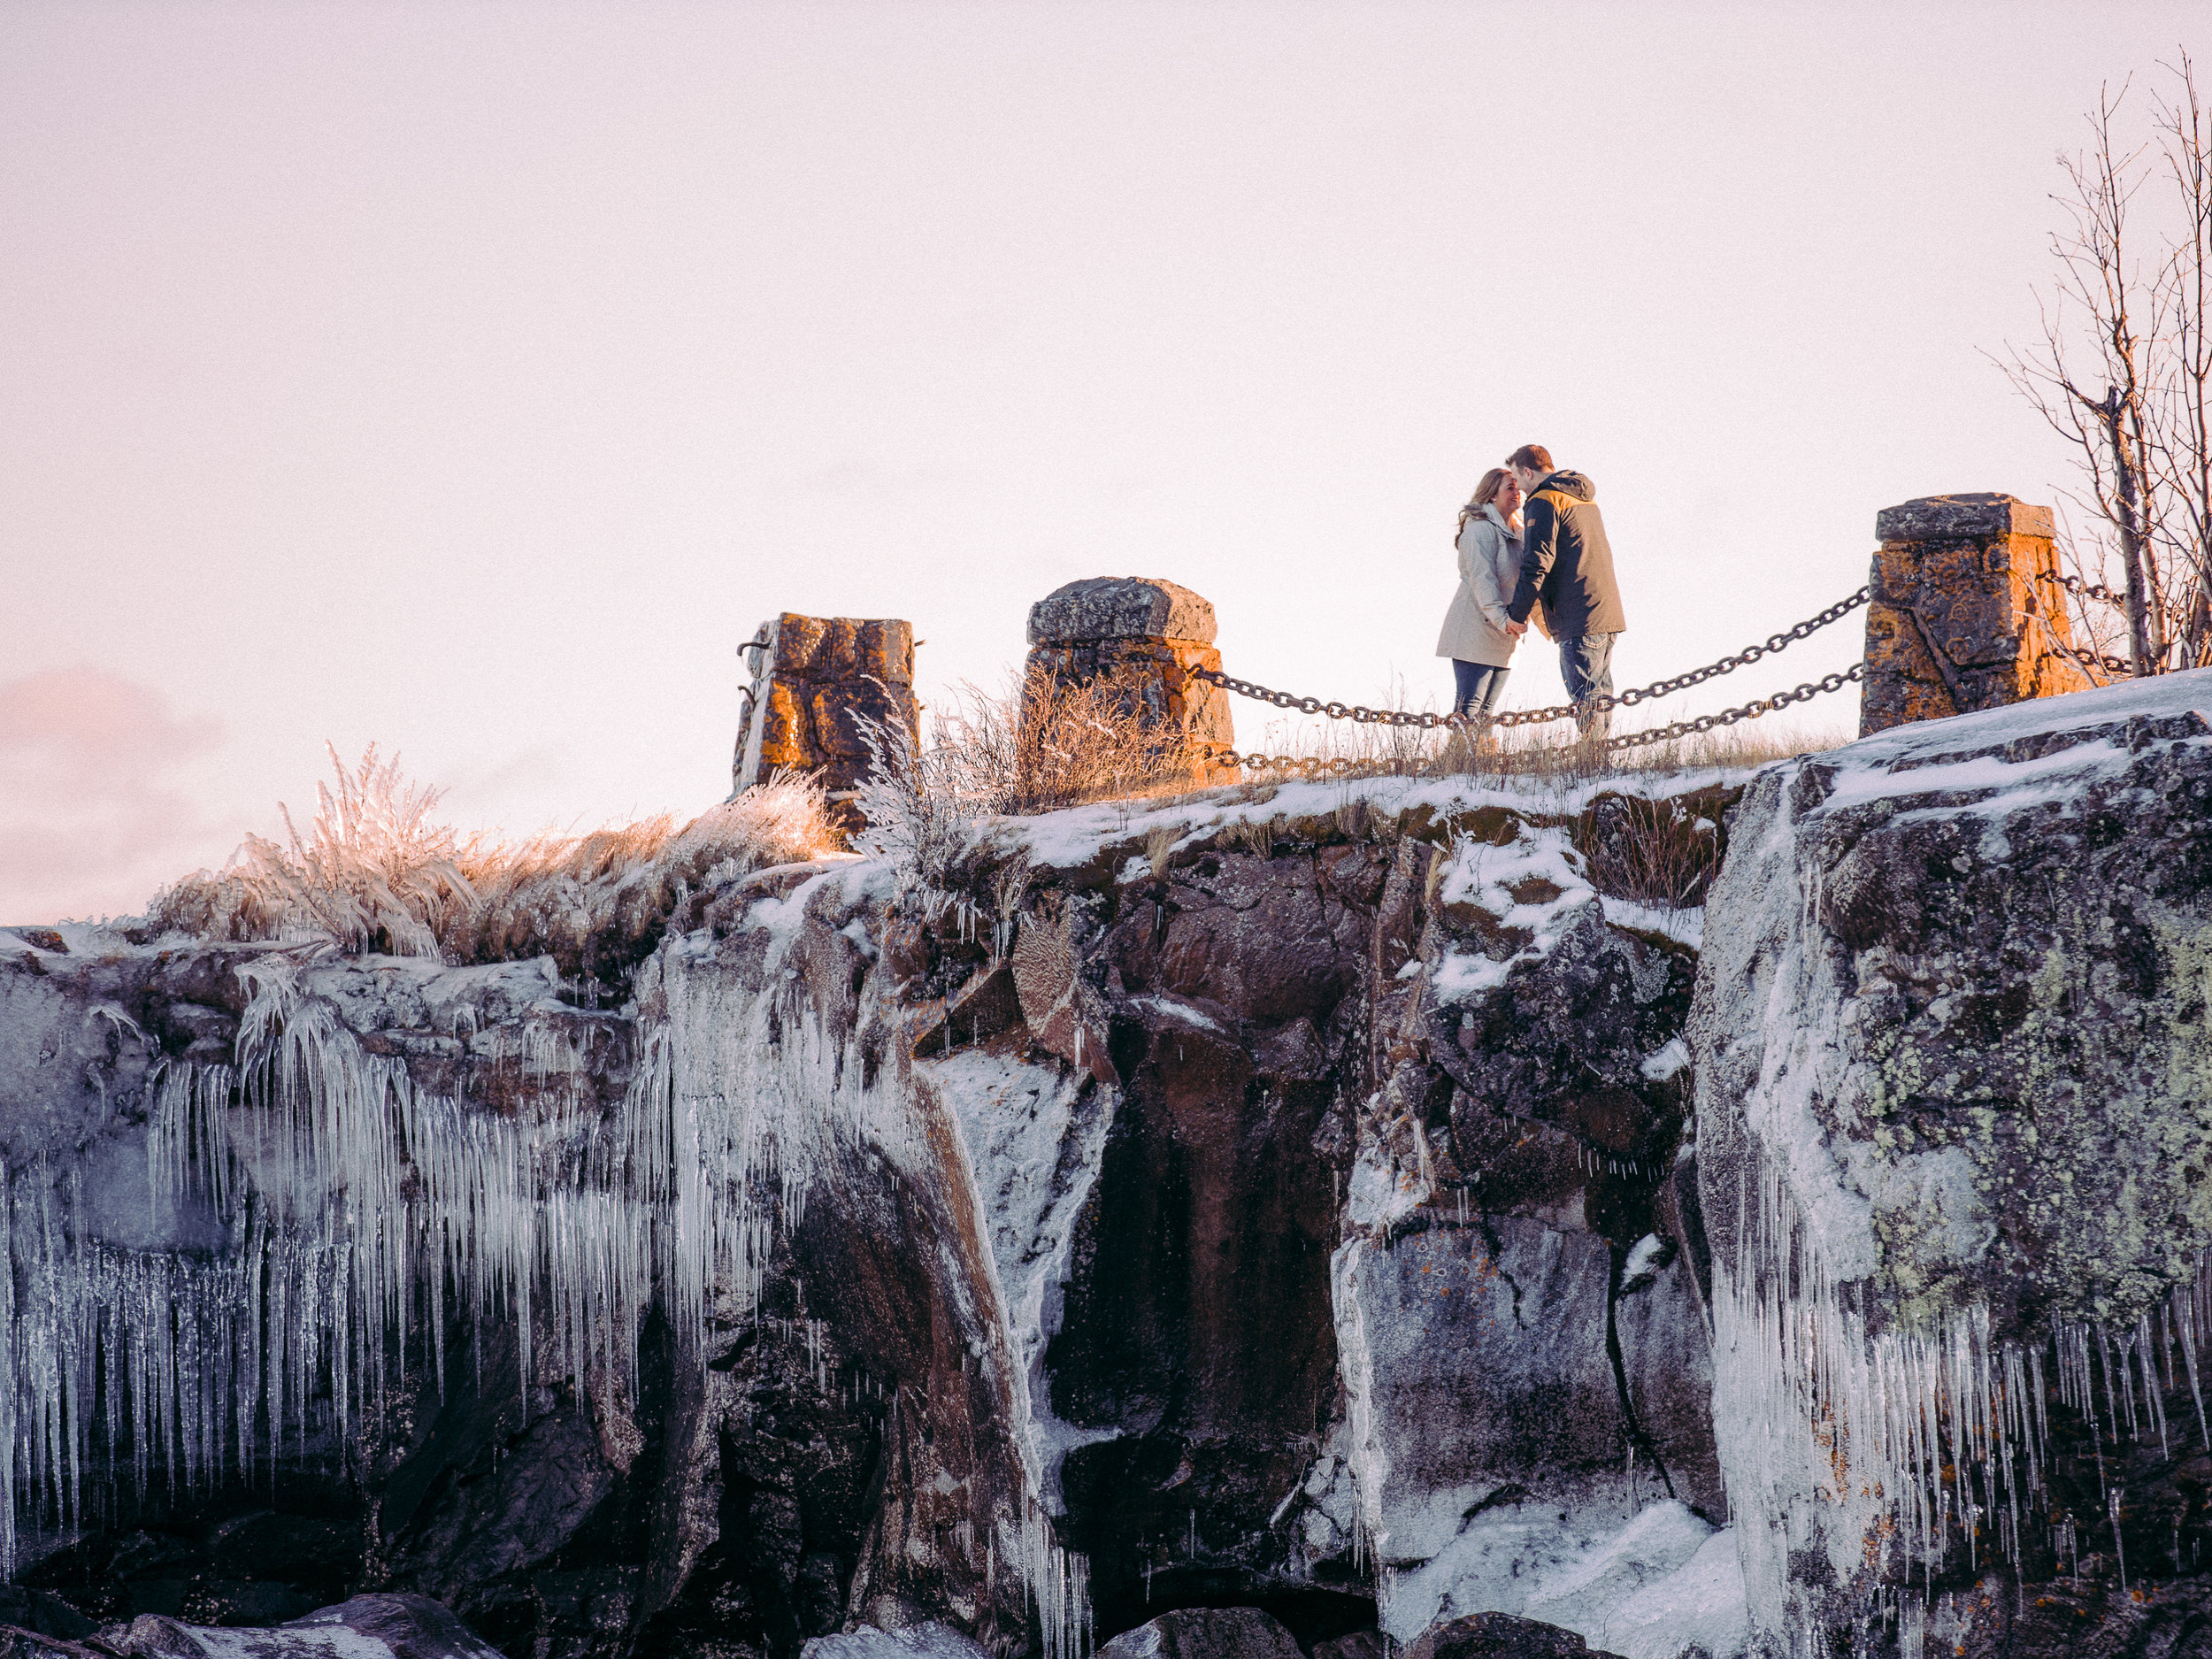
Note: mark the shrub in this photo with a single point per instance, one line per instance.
(375, 873)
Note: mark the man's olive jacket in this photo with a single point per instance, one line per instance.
(1566, 561)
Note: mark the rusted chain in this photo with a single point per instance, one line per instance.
(2092, 590)
(1310, 767)
(2098, 660)
(1361, 715)
(1749, 711)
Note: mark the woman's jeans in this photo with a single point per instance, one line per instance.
(1477, 689)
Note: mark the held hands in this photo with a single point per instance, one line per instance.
(1517, 629)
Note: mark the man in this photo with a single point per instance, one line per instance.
(1567, 565)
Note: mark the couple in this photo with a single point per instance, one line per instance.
(1532, 543)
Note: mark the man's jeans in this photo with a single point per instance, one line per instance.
(1586, 662)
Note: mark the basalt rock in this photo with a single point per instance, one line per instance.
(1228, 1632)
(1500, 1636)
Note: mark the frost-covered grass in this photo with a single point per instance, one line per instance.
(374, 871)
(1538, 754)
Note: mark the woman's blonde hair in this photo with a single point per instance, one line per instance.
(1485, 491)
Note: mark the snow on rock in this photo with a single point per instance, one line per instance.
(1663, 1586)
(366, 1627)
(924, 1641)
(1697, 1609)
(1363, 1075)
(1954, 1084)
(1079, 837)
(1035, 1136)
(1588, 1596)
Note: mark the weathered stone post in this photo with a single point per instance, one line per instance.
(1967, 612)
(1142, 637)
(813, 678)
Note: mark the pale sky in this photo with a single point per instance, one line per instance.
(473, 378)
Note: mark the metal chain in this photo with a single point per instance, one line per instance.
(2090, 590)
(1361, 715)
(2094, 660)
(1310, 767)
(1748, 712)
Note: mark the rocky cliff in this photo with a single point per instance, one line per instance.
(1418, 1210)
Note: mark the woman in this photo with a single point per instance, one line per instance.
(1474, 635)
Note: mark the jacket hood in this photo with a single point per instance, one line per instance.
(1573, 484)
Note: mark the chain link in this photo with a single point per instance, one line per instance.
(2092, 590)
(1360, 715)
(2094, 660)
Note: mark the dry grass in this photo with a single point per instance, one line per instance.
(1546, 754)
(1045, 743)
(374, 873)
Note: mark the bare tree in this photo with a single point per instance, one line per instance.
(2181, 451)
(2124, 371)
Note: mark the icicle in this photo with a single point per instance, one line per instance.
(2119, 1552)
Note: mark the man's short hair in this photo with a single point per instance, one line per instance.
(1534, 457)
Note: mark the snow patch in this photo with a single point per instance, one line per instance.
(1035, 1138)
(1648, 1590)
(925, 1641)
(1698, 1606)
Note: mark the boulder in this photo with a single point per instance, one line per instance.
(1366, 1644)
(1205, 1633)
(366, 1627)
(2169, 1619)
(42, 1614)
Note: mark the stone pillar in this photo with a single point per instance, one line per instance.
(1967, 612)
(1143, 637)
(812, 676)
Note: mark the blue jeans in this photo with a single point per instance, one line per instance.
(1477, 688)
(1586, 662)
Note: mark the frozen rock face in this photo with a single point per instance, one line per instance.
(1510, 1266)
(900, 1252)
(683, 1434)
(1954, 1097)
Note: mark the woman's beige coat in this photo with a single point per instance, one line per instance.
(1489, 564)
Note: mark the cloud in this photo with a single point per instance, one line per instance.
(91, 816)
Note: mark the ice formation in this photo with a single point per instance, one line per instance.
(317, 1221)
(1921, 1447)
(352, 1206)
